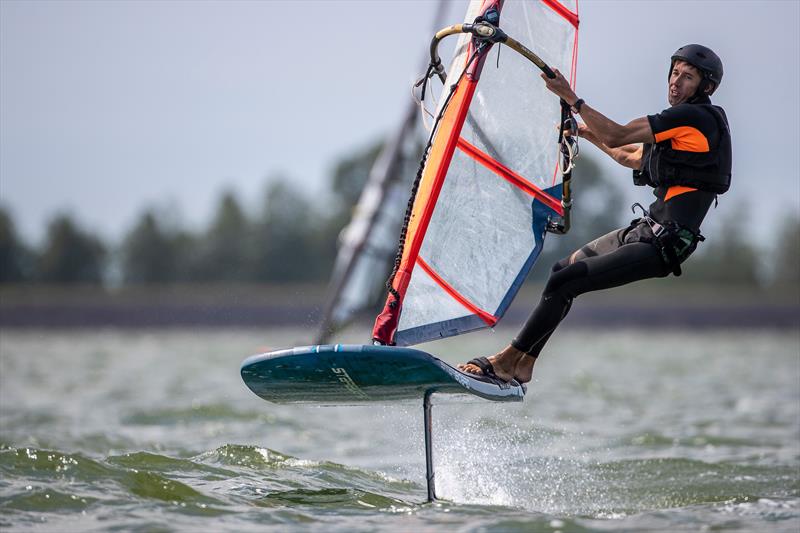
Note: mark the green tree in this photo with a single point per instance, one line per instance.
(290, 240)
(149, 253)
(727, 257)
(70, 255)
(224, 254)
(15, 259)
(787, 253)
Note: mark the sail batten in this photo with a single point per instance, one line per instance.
(509, 175)
(562, 10)
(487, 317)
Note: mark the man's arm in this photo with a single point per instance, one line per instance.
(629, 155)
(605, 131)
(614, 135)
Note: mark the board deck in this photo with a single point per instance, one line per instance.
(356, 373)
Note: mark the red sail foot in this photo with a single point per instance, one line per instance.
(386, 322)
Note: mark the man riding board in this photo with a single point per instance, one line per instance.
(684, 153)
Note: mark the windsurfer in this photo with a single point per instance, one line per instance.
(684, 153)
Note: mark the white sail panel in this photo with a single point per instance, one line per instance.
(436, 305)
(481, 237)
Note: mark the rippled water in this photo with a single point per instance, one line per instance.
(620, 431)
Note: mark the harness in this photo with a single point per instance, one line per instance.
(709, 171)
(674, 242)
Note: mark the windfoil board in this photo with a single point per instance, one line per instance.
(356, 373)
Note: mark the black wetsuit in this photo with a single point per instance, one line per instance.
(628, 254)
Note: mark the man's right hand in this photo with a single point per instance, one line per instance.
(585, 132)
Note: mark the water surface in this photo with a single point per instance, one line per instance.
(620, 431)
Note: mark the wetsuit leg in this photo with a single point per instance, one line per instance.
(602, 264)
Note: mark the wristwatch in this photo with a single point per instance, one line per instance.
(576, 107)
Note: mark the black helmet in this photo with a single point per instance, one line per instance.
(703, 59)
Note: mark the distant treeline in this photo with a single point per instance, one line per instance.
(292, 239)
(288, 238)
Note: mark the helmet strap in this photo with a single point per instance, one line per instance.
(700, 92)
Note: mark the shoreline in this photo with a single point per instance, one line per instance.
(257, 306)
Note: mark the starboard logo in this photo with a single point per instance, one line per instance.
(347, 381)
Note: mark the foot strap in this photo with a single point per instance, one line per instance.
(488, 375)
(485, 365)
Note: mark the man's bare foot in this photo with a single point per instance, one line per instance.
(523, 372)
(504, 363)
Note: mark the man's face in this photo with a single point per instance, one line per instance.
(683, 82)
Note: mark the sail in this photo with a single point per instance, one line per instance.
(490, 181)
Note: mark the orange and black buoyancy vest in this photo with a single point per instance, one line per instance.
(663, 166)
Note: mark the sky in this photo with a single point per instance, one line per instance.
(107, 108)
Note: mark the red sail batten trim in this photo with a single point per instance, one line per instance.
(574, 60)
(510, 176)
(559, 8)
(488, 318)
